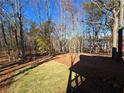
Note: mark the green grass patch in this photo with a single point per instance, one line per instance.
(50, 77)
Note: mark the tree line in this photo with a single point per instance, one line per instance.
(93, 26)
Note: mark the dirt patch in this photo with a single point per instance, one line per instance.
(67, 58)
(72, 57)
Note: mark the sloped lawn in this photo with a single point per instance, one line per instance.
(50, 77)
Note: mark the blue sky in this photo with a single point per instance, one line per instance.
(31, 14)
(54, 10)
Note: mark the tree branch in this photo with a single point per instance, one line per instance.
(102, 8)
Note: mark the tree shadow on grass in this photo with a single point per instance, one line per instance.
(28, 58)
(96, 74)
(23, 70)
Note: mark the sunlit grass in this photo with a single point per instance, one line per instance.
(50, 77)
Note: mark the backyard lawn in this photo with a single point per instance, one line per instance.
(50, 77)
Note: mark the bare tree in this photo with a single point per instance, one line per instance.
(116, 8)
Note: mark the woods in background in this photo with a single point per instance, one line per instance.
(90, 27)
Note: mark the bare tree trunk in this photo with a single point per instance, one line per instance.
(4, 36)
(5, 40)
(115, 34)
(16, 50)
(21, 31)
(22, 40)
(16, 38)
(121, 13)
(120, 32)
